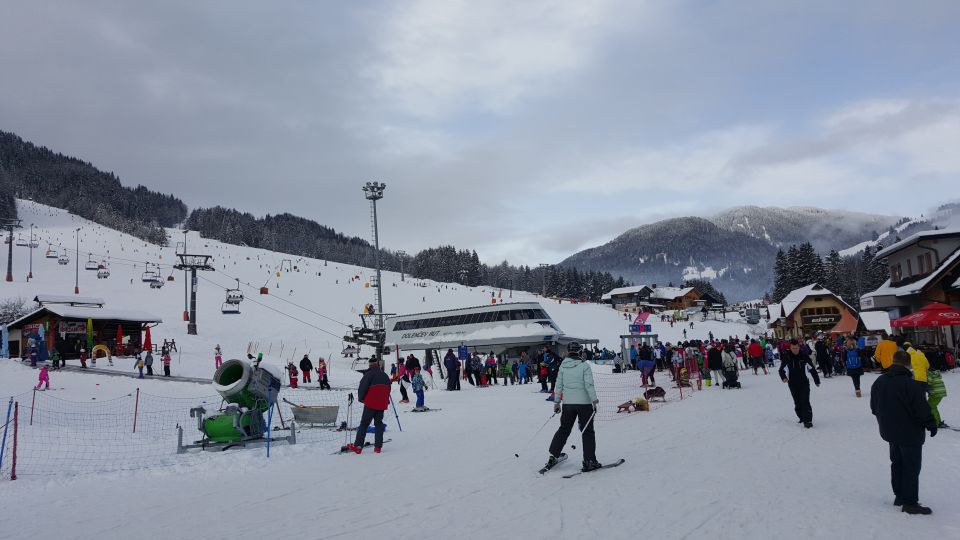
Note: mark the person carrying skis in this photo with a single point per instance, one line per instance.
(902, 416)
(797, 361)
(374, 393)
(306, 366)
(576, 399)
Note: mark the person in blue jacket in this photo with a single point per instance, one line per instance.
(853, 365)
(452, 364)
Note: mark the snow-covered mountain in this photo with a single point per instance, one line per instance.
(735, 248)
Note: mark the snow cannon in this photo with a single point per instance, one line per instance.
(249, 390)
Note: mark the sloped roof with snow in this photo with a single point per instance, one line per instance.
(914, 287)
(913, 239)
(623, 290)
(68, 300)
(797, 296)
(875, 321)
(76, 312)
(669, 293)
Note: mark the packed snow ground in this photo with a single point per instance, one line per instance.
(722, 464)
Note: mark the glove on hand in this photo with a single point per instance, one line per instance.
(556, 408)
(596, 404)
(933, 432)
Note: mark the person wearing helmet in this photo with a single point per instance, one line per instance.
(576, 399)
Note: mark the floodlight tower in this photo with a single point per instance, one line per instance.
(373, 191)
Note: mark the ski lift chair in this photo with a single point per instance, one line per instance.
(156, 284)
(149, 277)
(21, 242)
(50, 254)
(63, 259)
(91, 265)
(234, 296)
(103, 273)
(230, 309)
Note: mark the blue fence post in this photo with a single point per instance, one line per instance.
(6, 424)
(269, 419)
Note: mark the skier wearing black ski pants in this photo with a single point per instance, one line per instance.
(374, 393)
(797, 363)
(576, 399)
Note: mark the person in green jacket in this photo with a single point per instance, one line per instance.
(936, 391)
(576, 397)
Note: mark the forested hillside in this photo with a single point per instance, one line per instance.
(34, 172)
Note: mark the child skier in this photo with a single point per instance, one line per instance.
(139, 365)
(522, 372)
(322, 374)
(83, 358)
(418, 388)
(44, 378)
(292, 371)
(166, 364)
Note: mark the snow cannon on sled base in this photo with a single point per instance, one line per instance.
(249, 391)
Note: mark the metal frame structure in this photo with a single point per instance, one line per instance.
(193, 262)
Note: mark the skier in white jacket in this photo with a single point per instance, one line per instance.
(576, 397)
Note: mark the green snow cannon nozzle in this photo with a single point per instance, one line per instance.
(254, 388)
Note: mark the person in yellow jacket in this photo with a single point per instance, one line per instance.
(884, 352)
(918, 362)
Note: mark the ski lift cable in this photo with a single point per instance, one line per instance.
(289, 302)
(275, 309)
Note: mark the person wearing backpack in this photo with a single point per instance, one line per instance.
(854, 368)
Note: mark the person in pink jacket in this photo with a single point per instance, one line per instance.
(44, 378)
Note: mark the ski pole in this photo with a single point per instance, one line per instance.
(588, 422)
(397, 416)
(536, 433)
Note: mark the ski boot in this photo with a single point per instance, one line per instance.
(376, 450)
(859, 394)
(354, 448)
(808, 425)
(590, 465)
(552, 462)
(917, 509)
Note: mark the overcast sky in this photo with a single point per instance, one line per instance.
(524, 130)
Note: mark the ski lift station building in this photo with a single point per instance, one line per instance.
(509, 328)
(64, 319)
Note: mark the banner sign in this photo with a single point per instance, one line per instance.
(73, 327)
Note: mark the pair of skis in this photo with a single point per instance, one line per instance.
(563, 457)
(366, 444)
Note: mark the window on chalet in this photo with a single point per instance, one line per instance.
(896, 274)
(909, 268)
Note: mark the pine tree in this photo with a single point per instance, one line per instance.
(781, 277)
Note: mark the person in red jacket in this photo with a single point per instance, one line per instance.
(374, 393)
(292, 371)
(755, 351)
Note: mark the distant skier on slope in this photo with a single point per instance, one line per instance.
(797, 362)
(576, 399)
